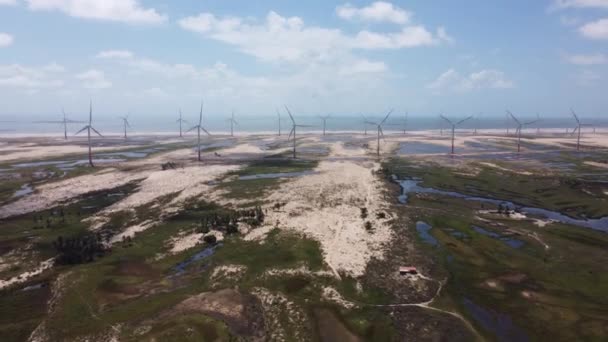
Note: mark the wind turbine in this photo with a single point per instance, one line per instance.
(125, 123)
(180, 120)
(232, 123)
(65, 121)
(379, 129)
(279, 116)
(324, 118)
(293, 130)
(578, 127)
(477, 117)
(537, 127)
(198, 128)
(454, 127)
(365, 123)
(520, 126)
(90, 128)
(405, 123)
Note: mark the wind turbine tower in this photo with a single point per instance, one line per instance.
(199, 128)
(520, 126)
(90, 128)
(454, 125)
(379, 130)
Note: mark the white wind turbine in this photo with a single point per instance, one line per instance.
(324, 118)
(125, 123)
(293, 130)
(379, 130)
(520, 126)
(454, 127)
(90, 128)
(180, 121)
(65, 121)
(578, 128)
(199, 128)
(232, 123)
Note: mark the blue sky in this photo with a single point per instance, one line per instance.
(150, 57)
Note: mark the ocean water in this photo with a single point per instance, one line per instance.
(269, 124)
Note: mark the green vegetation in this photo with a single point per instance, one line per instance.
(566, 194)
(520, 289)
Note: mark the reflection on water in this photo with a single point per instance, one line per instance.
(411, 186)
(499, 324)
(424, 231)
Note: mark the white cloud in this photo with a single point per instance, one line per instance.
(561, 4)
(288, 39)
(8, 2)
(6, 39)
(411, 36)
(127, 11)
(115, 54)
(595, 30)
(484, 79)
(594, 59)
(363, 66)
(587, 78)
(379, 11)
(28, 78)
(94, 79)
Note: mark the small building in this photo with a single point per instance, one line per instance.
(405, 270)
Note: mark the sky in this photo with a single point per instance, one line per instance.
(151, 57)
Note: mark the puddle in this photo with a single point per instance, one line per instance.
(133, 154)
(411, 186)
(509, 241)
(66, 165)
(276, 175)
(499, 324)
(417, 147)
(424, 231)
(205, 253)
(25, 190)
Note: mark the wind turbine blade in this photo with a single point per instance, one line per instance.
(94, 130)
(371, 123)
(531, 122)
(290, 134)
(575, 116)
(192, 129)
(575, 129)
(90, 112)
(446, 119)
(204, 130)
(513, 117)
(200, 118)
(464, 120)
(382, 134)
(84, 128)
(290, 116)
(128, 124)
(386, 117)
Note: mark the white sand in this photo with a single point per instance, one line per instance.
(326, 206)
(185, 241)
(131, 231)
(33, 151)
(338, 149)
(188, 182)
(27, 275)
(51, 194)
(332, 295)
